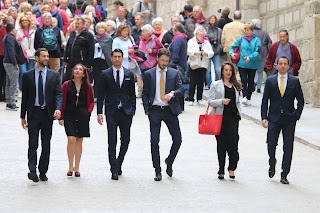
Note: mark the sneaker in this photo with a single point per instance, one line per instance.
(12, 107)
(190, 103)
(186, 98)
(200, 103)
(206, 87)
(248, 103)
(244, 101)
(258, 90)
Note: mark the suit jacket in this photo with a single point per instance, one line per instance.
(173, 83)
(53, 93)
(281, 106)
(217, 93)
(109, 93)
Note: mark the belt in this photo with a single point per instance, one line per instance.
(40, 107)
(160, 107)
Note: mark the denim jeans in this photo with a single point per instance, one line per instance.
(216, 75)
(23, 68)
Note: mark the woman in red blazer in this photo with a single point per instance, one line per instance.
(76, 110)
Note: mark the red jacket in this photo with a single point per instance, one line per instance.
(296, 60)
(90, 100)
(3, 32)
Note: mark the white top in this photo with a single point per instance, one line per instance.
(285, 80)
(157, 99)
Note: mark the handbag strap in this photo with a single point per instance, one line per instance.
(207, 110)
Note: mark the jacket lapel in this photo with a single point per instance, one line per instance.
(33, 86)
(221, 87)
(288, 84)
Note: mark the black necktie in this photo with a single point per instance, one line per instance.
(118, 78)
(40, 89)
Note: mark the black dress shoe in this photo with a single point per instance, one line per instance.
(221, 176)
(119, 171)
(43, 177)
(284, 180)
(272, 170)
(114, 176)
(158, 176)
(169, 168)
(231, 176)
(33, 176)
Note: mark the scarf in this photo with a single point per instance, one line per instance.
(200, 21)
(202, 40)
(100, 36)
(26, 33)
(179, 35)
(158, 32)
(249, 38)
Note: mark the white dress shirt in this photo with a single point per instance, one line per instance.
(157, 99)
(285, 80)
(121, 77)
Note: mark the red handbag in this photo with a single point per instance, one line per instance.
(210, 124)
(236, 53)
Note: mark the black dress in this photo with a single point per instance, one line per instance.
(76, 117)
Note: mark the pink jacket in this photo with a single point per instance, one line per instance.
(154, 44)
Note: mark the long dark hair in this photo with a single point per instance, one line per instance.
(233, 78)
(85, 78)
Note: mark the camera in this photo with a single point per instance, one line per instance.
(214, 41)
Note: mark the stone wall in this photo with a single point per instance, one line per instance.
(300, 17)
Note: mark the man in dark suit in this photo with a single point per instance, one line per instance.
(41, 101)
(281, 90)
(161, 89)
(117, 92)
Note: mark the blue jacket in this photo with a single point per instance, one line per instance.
(9, 42)
(178, 50)
(247, 48)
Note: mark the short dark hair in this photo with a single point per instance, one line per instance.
(179, 27)
(284, 31)
(283, 56)
(81, 19)
(9, 27)
(39, 50)
(117, 51)
(163, 51)
(118, 3)
(188, 8)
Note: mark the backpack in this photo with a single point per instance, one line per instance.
(49, 39)
(130, 16)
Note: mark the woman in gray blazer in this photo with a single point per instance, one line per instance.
(224, 98)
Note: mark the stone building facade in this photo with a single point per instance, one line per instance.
(300, 17)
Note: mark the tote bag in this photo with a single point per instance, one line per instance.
(210, 124)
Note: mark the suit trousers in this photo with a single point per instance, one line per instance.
(123, 121)
(156, 116)
(227, 142)
(39, 122)
(288, 129)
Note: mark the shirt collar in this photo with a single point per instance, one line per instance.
(44, 70)
(285, 76)
(158, 69)
(115, 69)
